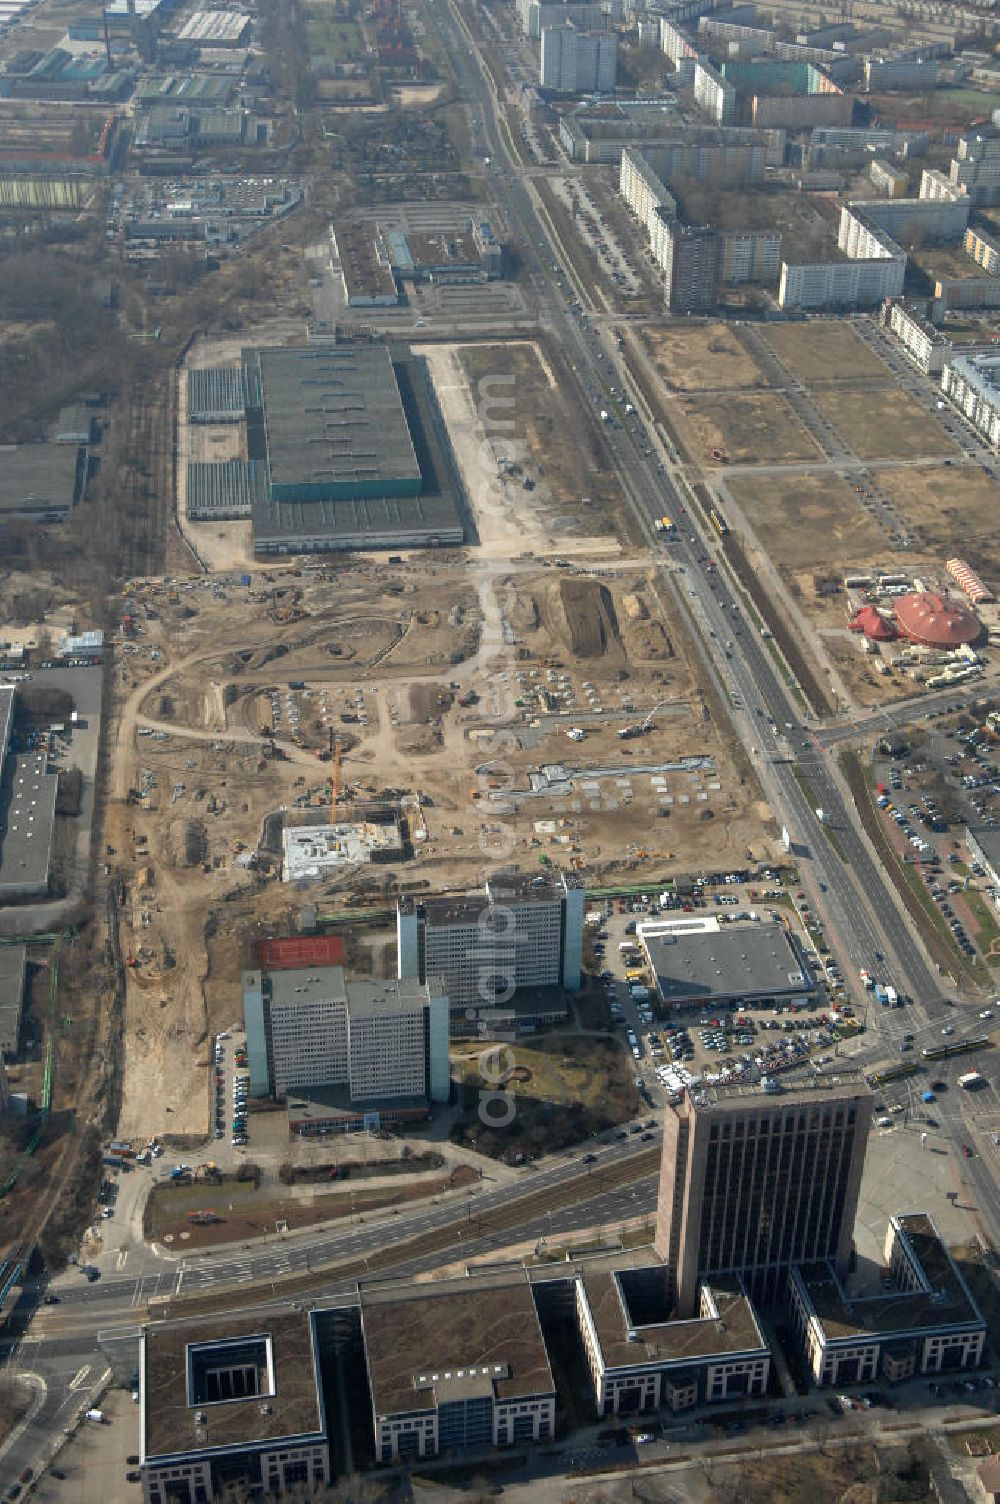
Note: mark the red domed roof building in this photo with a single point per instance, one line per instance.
(935, 621)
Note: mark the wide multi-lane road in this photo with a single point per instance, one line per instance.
(865, 921)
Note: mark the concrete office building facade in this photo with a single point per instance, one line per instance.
(520, 933)
(641, 1358)
(922, 1319)
(755, 1179)
(312, 1029)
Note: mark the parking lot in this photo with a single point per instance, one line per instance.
(717, 1043)
(929, 790)
(231, 1082)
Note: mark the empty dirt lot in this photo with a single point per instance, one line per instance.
(807, 521)
(750, 429)
(825, 350)
(955, 509)
(884, 423)
(702, 358)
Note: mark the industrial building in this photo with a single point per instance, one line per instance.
(215, 28)
(520, 933)
(972, 382)
(27, 814)
(374, 259)
(40, 482)
(755, 1179)
(696, 962)
(378, 1040)
(856, 1327)
(239, 1399)
(578, 62)
(333, 433)
(13, 972)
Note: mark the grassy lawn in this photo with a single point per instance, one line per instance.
(562, 1088)
(341, 41)
(987, 928)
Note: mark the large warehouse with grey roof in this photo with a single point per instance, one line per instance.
(342, 450)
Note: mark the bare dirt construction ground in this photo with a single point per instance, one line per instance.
(382, 655)
(954, 510)
(825, 350)
(529, 459)
(750, 429)
(807, 522)
(702, 358)
(884, 424)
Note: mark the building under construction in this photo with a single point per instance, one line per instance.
(312, 851)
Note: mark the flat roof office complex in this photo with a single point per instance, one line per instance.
(450, 1366)
(519, 933)
(920, 1319)
(378, 1040)
(239, 1398)
(641, 1357)
(754, 1179)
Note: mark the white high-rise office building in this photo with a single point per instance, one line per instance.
(578, 62)
(310, 1028)
(520, 932)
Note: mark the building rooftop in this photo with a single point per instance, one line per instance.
(737, 960)
(366, 273)
(305, 984)
(467, 908)
(782, 1092)
(39, 478)
(27, 818)
(13, 968)
(448, 1339)
(334, 414)
(374, 522)
(728, 1325)
(288, 1401)
(941, 1299)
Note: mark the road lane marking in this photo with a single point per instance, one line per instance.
(80, 1377)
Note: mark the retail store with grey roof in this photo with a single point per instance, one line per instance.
(698, 962)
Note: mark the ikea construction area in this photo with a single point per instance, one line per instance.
(341, 450)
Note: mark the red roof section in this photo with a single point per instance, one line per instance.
(290, 951)
(873, 624)
(935, 620)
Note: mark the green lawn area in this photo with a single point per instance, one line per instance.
(341, 41)
(987, 928)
